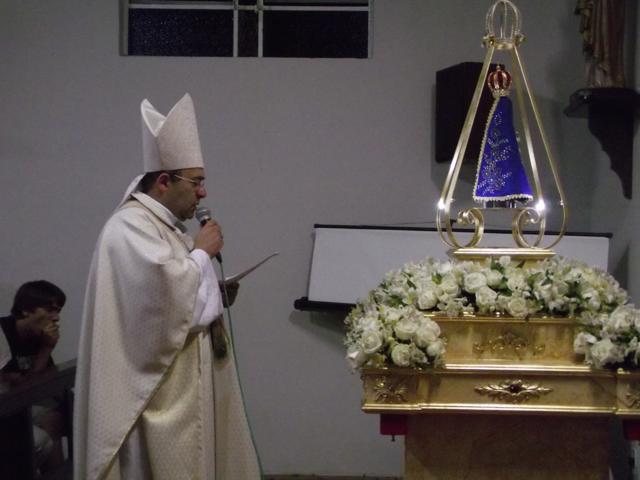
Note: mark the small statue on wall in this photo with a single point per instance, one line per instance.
(602, 29)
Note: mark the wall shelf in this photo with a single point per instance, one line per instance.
(610, 112)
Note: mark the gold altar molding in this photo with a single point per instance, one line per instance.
(505, 365)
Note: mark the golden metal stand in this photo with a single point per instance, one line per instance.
(504, 35)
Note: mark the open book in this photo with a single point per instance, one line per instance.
(244, 273)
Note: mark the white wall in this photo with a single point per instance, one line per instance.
(609, 210)
(288, 143)
(634, 225)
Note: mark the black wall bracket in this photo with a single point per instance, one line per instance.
(610, 112)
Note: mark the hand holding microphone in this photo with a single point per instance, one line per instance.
(209, 238)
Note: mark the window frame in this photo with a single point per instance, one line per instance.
(260, 8)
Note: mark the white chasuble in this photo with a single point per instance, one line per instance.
(150, 400)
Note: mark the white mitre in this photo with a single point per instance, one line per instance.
(171, 142)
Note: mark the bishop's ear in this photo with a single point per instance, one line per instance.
(163, 180)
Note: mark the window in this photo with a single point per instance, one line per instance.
(246, 28)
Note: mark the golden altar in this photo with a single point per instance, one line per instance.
(511, 401)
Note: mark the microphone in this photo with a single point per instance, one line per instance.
(203, 214)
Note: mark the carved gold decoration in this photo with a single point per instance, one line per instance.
(633, 395)
(506, 342)
(487, 339)
(551, 382)
(390, 390)
(513, 391)
(498, 389)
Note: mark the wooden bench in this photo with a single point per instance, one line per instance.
(17, 456)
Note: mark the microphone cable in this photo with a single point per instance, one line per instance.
(231, 342)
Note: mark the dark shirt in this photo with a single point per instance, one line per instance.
(22, 349)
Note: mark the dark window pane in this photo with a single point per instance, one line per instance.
(321, 3)
(247, 2)
(167, 32)
(318, 34)
(214, 2)
(247, 34)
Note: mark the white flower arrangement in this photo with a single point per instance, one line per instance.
(390, 327)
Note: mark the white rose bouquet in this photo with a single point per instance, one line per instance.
(390, 327)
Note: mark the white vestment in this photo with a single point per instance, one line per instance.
(151, 402)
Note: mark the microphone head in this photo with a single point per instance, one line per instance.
(203, 214)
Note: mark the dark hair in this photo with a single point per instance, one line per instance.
(39, 293)
(149, 178)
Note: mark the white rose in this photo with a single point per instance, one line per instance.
(401, 355)
(436, 349)
(494, 277)
(485, 297)
(449, 286)
(517, 307)
(371, 341)
(621, 319)
(356, 357)
(559, 289)
(451, 306)
(443, 268)
(604, 351)
(591, 296)
(418, 356)
(427, 299)
(594, 303)
(474, 281)
(505, 261)
(516, 281)
(575, 274)
(633, 348)
(558, 304)
(594, 319)
(398, 291)
(612, 293)
(542, 292)
(405, 328)
(427, 333)
(588, 291)
(391, 314)
(582, 342)
(368, 322)
(501, 302)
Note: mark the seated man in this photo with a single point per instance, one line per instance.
(32, 332)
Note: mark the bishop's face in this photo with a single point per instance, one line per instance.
(185, 192)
